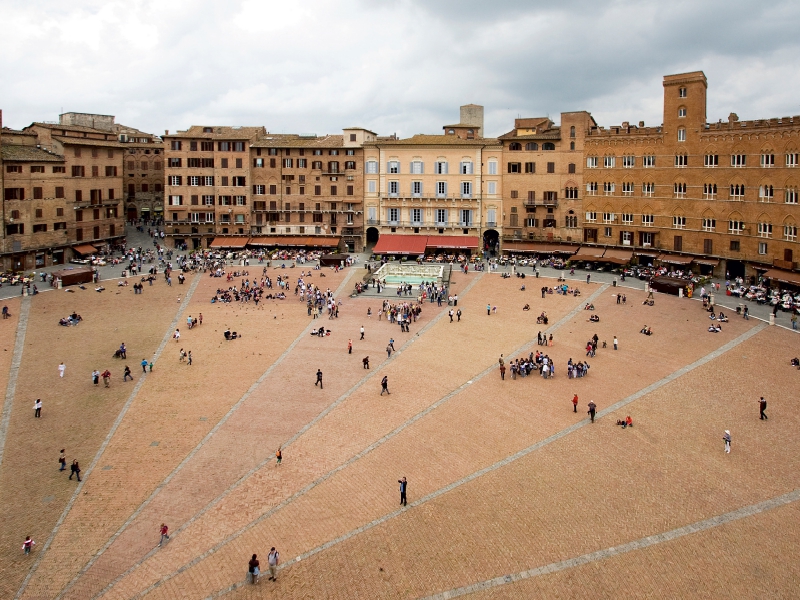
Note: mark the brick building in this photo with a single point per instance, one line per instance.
(308, 190)
(435, 186)
(717, 193)
(542, 182)
(62, 186)
(144, 176)
(207, 185)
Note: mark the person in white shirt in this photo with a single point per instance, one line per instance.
(272, 561)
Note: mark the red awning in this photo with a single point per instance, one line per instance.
(289, 241)
(675, 259)
(783, 276)
(401, 244)
(229, 242)
(542, 247)
(85, 249)
(711, 262)
(589, 254)
(618, 257)
(458, 242)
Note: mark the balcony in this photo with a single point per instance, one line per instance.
(550, 202)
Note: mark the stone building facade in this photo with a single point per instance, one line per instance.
(144, 178)
(207, 184)
(308, 188)
(722, 192)
(542, 180)
(436, 185)
(62, 189)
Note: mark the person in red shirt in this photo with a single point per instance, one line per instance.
(28, 544)
(164, 533)
(575, 403)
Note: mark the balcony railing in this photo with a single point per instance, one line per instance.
(541, 202)
(433, 224)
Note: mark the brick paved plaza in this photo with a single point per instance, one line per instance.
(511, 493)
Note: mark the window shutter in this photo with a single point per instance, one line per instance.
(421, 188)
(421, 167)
(446, 215)
(445, 188)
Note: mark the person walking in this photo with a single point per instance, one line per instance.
(278, 456)
(127, 374)
(365, 362)
(489, 309)
(95, 377)
(727, 439)
(253, 569)
(615, 342)
(588, 278)
(385, 385)
(144, 365)
(746, 312)
(106, 375)
(37, 408)
(391, 343)
(188, 359)
(28, 544)
(272, 561)
(164, 530)
(458, 315)
(349, 346)
(389, 351)
(319, 379)
(62, 460)
(75, 469)
(61, 368)
(794, 320)
(575, 403)
(177, 335)
(450, 313)
(592, 409)
(403, 487)
(502, 372)
(362, 332)
(762, 406)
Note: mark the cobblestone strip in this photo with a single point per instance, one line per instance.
(523, 349)
(16, 359)
(202, 442)
(640, 544)
(509, 459)
(139, 383)
(294, 438)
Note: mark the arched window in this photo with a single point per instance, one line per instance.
(548, 146)
(515, 146)
(572, 131)
(531, 146)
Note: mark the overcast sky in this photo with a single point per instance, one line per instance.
(403, 66)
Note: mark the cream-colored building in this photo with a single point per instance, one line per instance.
(436, 185)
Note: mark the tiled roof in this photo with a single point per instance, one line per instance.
(76, 141)
(220, 133)
(553, 134)
(422, 139)
(464, 125)
(296, 141)
(9, 131)
(29, 154)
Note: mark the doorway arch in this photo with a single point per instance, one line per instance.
(491, 241)
(372, 235)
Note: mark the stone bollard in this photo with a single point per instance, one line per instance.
(771, 318)
(680, 292)
(60, 283)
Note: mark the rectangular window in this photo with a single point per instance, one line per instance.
(735, 227)
(792, 159)
(259, 190)
(393, 215)
(175, 200)
(207, 180)
(530, 167)
(737, 191)
(709, 191)
(609, 188)
(679, 190)
(711, 160)
(287, 163)
(790, 233)
(350, 190)
(239, 181)
(735, 245)
(175, 145)
(627, 188)
(608, 217)
(627, 218)
(649, 160)
(192, 163)
(514, 167)
(681, 135)
(394, 166)
(59, 169)
(609, 162)
(766, 193)
(709, 224)
(224, 180)
(492, 167)
(206, 163)
(208, 200)
(95, 171)
(240, 200)
(790, 196)
(302, 163)
(174, 180)
(767, 160)
(648, 220)
(628, 161)
(491, 187)
(417, 167)
(14, 193)
(394, 188)
(258, 162)
(440, 168)
(738, 160)
(765, 230)
(762, 247)
(224, 163)
(466, 189)
(441, 189)
(551, 167)
(174, 162)
(371, 167)
(334, 190)
(681, 160)
(193, 180)
(591, 217)
(111, 171)
(238, 146)
(416, 189)
(372, 186)
(591, 188)
(467, 168)
(37, 193)
(678, 222)
(677, 243)
(441, 216)
(514, 194)
(571, 193)
(591, 162)
(207, 146)
(78, 171)
(318, 190)
(708, 246)
(491, 218)
(60, 192)
(416, 216)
